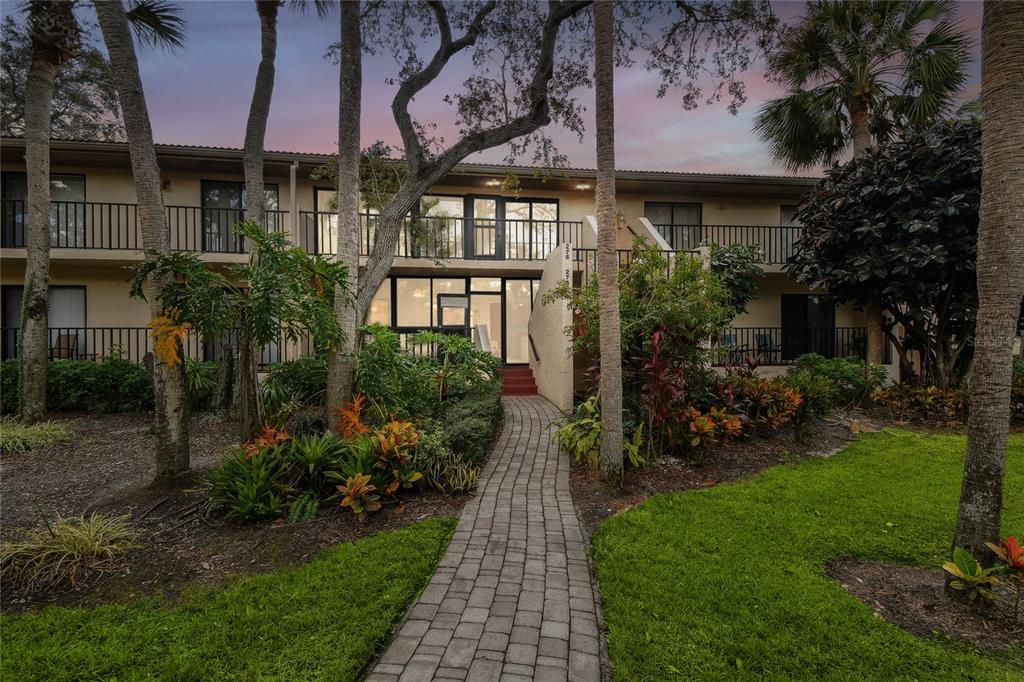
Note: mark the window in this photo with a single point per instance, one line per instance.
(223, 204)
(65, 319)
(787, 217)
(531, 227)
(412, 302)
(67, 209)
(678, 223)
(380, 307)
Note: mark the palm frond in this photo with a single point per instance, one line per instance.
(323, 7)
(157, 23)
(804, 128)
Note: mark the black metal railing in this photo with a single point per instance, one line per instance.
(584, 261)
(776, 243)
(94, 225)
(132, 343)
(774, 346)
(443, 237)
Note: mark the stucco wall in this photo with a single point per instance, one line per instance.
(553, 371)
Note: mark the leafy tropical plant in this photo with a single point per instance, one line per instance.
(287, 293)
(580, 436)
(358, 495)
(1011, 556)
(315, 457)
(70, 550)
(970, 577)
(251, 484)
(350, 418)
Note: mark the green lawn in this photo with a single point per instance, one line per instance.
(321, 621)
(728, 582)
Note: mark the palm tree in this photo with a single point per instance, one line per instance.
(255, 195)
(610, 388)
(163, 25)
(856, 71)
(341, 370)
(259, 108)
(1000, 275)
(55, 35)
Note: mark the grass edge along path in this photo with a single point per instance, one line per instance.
(728, 582)
(323, 620)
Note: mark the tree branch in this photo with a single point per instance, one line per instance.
(416, 82)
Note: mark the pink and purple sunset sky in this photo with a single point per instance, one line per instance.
(200, 95)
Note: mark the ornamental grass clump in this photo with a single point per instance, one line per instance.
(16, 437)
(70, 551)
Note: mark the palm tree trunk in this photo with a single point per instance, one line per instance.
(34, 340)
(259, 111)
(341, 371)
(170, 397)
(610, 388)
(1000, 275)
(860, 132)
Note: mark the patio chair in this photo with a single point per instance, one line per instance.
(64, 347)
(765, 345)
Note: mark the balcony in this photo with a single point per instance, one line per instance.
(109, 226)
(776, 243)
(112, 226)
(442, 237)
(584, 261)
(132, 343)
(781, 346)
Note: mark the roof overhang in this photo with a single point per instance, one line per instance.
(486, 176)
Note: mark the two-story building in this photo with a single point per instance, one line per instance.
(487, 249)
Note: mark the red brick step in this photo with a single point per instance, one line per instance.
(518, 381)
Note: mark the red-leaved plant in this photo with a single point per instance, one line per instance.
(1011, 557)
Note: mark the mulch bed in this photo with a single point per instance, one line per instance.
(596, 501)
(108, 467)
(915, 600)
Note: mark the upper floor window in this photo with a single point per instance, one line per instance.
(679, 223)
(787, 217)
(223, 202)
(67, 209)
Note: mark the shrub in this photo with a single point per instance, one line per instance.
(251, 484)
(457, 366)
(16, 437)
(817, 395)
(472, 423)
(580, 436)
(292, 387)
(315, 458)
(852, 380)
(929, 404)
(394, 380)
(441, 467)
(200, 381)
(762, 403)
(68, 551)
(112, 384)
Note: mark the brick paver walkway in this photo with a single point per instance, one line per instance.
(512, 597)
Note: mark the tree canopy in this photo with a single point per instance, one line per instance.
(899, 225)
(85, 105)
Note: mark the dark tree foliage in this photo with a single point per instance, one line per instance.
(85, 105)
(737, 268)
(899, 225)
